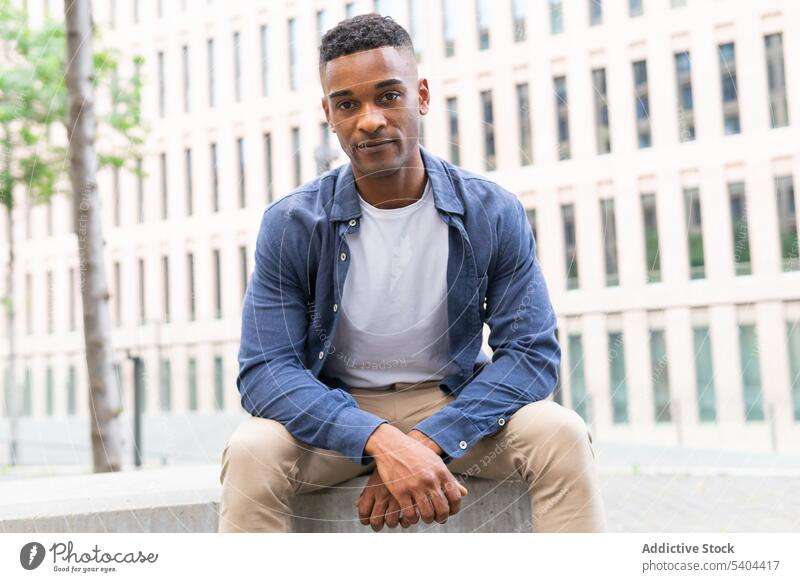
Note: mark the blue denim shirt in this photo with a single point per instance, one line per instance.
(291, 310)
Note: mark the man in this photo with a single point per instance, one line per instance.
(362, 326)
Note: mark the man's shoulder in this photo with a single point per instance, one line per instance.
(479, 190)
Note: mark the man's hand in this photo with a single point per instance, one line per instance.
(377, 506)
(414, 474)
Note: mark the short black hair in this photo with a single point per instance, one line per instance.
(362, 33)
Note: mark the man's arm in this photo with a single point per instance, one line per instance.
(526, 354)
(273, 380)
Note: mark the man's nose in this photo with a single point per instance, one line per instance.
(371, 120)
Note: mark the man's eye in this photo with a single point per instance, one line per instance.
(345, 103)
(395, 96)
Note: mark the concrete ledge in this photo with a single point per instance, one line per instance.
(186, 499)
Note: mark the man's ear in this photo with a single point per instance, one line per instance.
(424, 96)
(327, 114)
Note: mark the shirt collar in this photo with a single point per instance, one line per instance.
(345, 197)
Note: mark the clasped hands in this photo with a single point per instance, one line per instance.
(410, 481)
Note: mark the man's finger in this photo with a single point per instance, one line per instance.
(378, 515)
(393, 513)
(440, 506)
(425, 507)
(365, 504)
(453, 496)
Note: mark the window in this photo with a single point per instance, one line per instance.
(489, 159)
(619, 383)
(577, 379)
(610, 242)
(237, 66)
(186, 84)
(730, 97)
(635, 8)
(49, 299)
(117, 199)
(570, 246)
(524, 121)
(191, 374)
(787, 219)
(776, 79)
(452, 117)
(140, 379)
(118, 293)
(190, 285)
(292, 54)
(642, 103)
(601, 124)
(530, 213)
(71, 391)
(683, 71)
(142, 299)
(416, 26)
(704, 375)
(212, 85)
(793, 343)
(296, 156)
(214, 178)
(350, 9)
(677, 3)
(48, 386)
(217, 284)
(694, 232)
(118, 379)
(165, 287)
(112, 12)
(161, 84)
(166, 386)
(449, 27)
(741, 236)
(660, 375)
(652, 255)
(268, 166)
(219, 383)
(139, 191)
(241, 174)
(518, 20)
(263, 35)
(751, 373)
(243, 266)
(562, 117)
(72, 299)
(321, 25)
(556, 17)
(595, 12)
(28, 303)
(164, 190)
(482, 20)
(187, 156)
(136, 11)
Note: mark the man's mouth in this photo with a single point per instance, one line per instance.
(373, 144)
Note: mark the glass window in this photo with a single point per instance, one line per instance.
(48, 386)
(610, 242)
(635, 8)
(142, 298)
(50, 296)
(452, 117)
(217, 284)
(210, 69)
(449, 27)
(595, 12)
(556, 17)
(268, 166)
(72, 299)
(562, 117)
(186, 78)
(118, 294)
(139, 191)
(161, 84)
(321, 26)
(243, 268)
(652, 254)
(416, 26)
(296, 156)
(694, 232)
(518, 20)
(214, 178)
(165, 287)
(601, 123)
(787, 220)
(237, 66)
(166, 386)
(117, 200)
(704, 375)
(489, 158)
(683, 71)
(776, 79)
(482, 21)
(751, 373)
(577, 379)
(730, 96)
(350, 9)
(642, 103)
(219, 384)
(263, 38)
(524, 121)
(191, 373)
(570, 245)
(660, 374)
(187, 156)
(530, 213)
(619, 382)
(240, 172)
(190, 285)
(164, 189)
(741, 236)
(793, 343)
(71, 391)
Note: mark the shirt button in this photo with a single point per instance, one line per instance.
(335, 307)
(501, 421)
(343, 256)
(352, 222)
(321, 355)
(462, 445)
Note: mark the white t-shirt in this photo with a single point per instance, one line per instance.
(393, 321)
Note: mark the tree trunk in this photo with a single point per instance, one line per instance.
(103, 399)
(12, 402)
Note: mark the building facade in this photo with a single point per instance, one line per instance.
(655, 144)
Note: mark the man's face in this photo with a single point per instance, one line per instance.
(373, 100)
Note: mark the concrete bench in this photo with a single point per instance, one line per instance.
(186, 499)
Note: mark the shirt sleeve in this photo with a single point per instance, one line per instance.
(273, 381)
(526, 354)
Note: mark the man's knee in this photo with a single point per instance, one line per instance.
(548, 425)
(259, 446)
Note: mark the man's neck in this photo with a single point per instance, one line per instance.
(399, 189)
